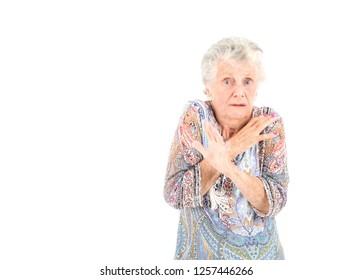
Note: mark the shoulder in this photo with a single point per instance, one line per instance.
(197, 105)
(257, 111)
(275, 126)
(197, 108)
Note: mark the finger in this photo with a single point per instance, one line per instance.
(252, 121)
(255, 125)
(205, 126)
(215, 134)
(211, 132)
(267, 136)
(229, 147)
(199, 147)
(264, 122)
(208, 133)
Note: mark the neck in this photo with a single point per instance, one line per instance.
(231, 127)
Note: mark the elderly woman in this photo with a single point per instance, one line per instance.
(227, 169)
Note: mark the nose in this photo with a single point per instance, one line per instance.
(238, 90)
(238, 93)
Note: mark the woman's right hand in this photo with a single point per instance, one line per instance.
(250, 135)
(220, 153)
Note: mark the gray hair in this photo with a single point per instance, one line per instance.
(237, 49)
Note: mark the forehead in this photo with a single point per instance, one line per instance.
(226, 67)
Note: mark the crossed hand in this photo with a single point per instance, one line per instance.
(220, 153)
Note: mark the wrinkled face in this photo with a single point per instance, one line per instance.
(232, 90)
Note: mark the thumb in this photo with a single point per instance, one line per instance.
(199, 147)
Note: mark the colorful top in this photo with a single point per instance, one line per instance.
(222, 224)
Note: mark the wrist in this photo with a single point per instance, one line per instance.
(209, 176)
(231, 170)
(208, 169)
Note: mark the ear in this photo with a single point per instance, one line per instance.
(207, 92)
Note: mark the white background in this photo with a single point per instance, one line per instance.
(91, 93)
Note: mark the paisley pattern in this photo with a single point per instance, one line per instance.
(223, 224)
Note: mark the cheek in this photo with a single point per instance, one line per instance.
(215, 93)
(252, 97)
(252, 93)
(221, 99)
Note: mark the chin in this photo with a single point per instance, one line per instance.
(241, 115)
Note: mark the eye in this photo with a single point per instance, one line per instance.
(228, 81)
(247, 81)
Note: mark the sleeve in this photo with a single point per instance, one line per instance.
(274, 175)
(182, 187)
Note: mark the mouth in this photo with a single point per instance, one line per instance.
(238, 105)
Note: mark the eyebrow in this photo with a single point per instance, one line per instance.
(231, 74)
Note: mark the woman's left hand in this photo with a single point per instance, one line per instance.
(218, 152)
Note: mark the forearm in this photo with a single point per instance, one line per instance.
(251, 187)
(183, 189)
(209, 176)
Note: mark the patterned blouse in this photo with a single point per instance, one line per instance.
(222, 224)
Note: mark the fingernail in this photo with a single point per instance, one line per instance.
(276, 133)
(273, 115)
